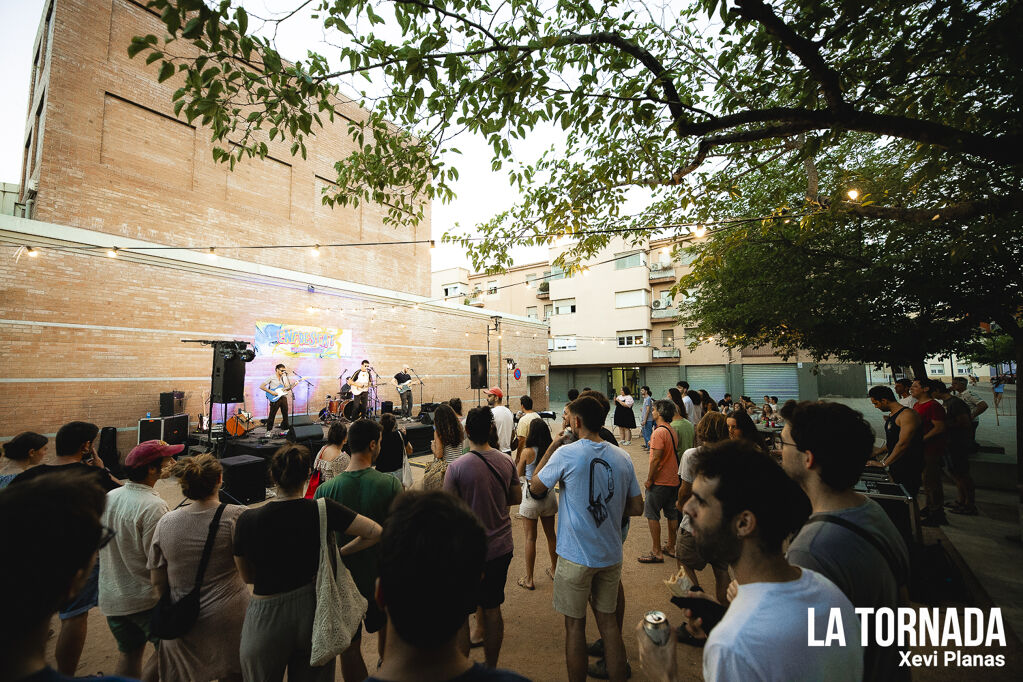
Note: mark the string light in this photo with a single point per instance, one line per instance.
(433, 244)
(32, 253)
(699, 231)
(212, 255)
(853, 194)
(316, 251)
(112, 253)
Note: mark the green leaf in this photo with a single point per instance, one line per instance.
(243, 19)
(166, 71)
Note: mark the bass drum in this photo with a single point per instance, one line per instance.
(334, 406)
(348, 410)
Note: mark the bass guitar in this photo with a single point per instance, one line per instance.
(406, 386)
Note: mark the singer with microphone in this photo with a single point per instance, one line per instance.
(360, 383)
(276, 387)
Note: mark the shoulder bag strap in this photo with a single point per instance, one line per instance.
(208, 549)
(674, 443)
(490, 466)
(900, 579)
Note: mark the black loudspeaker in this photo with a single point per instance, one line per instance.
(301, 420)
(172, 403)
(297, 434)
(228, 379)
(429, 407)
(478, 371)
(421, 439)
(386, 406)
(150, 429)
(175, 429)
(426, 418)
(245, 478)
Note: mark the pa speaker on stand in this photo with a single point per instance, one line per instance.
(478, 371)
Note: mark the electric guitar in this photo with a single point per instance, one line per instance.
(406, 386)
(274, 396)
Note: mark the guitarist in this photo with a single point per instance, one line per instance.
(403, 377)
(360, 383)
(278, 383)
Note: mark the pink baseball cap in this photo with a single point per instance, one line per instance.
(150, 451)
(494, 391)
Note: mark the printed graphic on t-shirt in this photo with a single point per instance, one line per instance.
(598, 505)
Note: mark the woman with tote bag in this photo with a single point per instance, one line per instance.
(277, 550)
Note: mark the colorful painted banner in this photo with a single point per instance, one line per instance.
(294, 341)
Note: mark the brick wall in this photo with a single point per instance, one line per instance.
(116, 160)
(87, 337)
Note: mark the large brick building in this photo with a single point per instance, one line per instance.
(107, 164)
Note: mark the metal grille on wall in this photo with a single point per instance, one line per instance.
(780, 380)
(711, 378)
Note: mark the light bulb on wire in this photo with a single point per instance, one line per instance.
(316, 250)
(853, 194)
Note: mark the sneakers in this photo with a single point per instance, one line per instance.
(598, 669)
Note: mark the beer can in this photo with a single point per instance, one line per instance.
(656, 627)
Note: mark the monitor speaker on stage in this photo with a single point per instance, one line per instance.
(301, 420)
(297, 434)
(245, 478)
(386, 406)
(478, 371)
(228, 379)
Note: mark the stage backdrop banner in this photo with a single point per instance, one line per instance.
(289, 340)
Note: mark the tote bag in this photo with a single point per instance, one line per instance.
(339, 606)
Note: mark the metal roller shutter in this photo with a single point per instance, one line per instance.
(561, 380)
(711, 378)
(660, 379)
(592, 377)
(779, 380)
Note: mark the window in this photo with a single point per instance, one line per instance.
(565, 306)
(456, 289)
(548, 310)
(628, 299)
(557, 272)
(531, 312)
(530, 278)
(632, 338)
(491, 287)
(667, 338)
(632, 260)
(689, 334)
(964, 370)
(936, 369)
(564, 343)
(665, 298)
(550, 345)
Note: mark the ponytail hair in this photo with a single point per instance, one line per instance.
(290, 466)
(198, 475)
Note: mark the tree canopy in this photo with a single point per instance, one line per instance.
(676, 99)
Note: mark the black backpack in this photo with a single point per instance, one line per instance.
(108, 452)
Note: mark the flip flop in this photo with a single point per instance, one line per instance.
(523, 585)
(650, 559)
(476, 645)
(670, 551)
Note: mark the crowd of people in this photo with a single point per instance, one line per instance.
(781, 527)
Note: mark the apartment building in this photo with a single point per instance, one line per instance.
(614, 324)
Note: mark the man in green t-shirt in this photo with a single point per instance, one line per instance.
(686, 433)
(370, 493)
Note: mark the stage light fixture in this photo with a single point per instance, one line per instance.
(247, 355)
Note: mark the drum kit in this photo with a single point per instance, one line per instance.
(338, 407)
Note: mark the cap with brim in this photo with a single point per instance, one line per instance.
(150, 451)
(494, 391)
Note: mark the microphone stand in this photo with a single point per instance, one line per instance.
(420, 390)
(374, 402)
(307, 385)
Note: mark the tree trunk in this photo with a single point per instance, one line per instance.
(919, 369)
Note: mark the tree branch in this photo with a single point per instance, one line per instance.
(956, 212)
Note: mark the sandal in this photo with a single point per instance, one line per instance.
(523, 585)
(650, 559)
(670, 551)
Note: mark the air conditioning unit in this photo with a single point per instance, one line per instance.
(658, 304)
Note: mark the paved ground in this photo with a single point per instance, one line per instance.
(534, 633)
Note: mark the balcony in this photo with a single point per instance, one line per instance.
(666, 353)
(663, 312)
(662, 273)
(475, 300)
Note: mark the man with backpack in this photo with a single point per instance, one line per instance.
(848, 538)
(662, 483)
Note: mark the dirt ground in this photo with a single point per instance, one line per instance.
(534, 632)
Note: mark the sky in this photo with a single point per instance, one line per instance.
(481, 192)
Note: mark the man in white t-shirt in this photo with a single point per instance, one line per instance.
(902, 390)
(683, 387)
(742, 508)
(503, 419)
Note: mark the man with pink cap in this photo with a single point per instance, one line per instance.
(126, 595)
(503, 419)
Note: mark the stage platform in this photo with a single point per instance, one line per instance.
(257, 443)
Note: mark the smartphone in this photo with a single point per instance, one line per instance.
(710, 612)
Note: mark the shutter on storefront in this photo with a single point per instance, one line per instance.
(561, 380)
(780, 380)
(711, 378)
(660, 379)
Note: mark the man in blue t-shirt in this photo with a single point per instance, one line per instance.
(598, 488)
